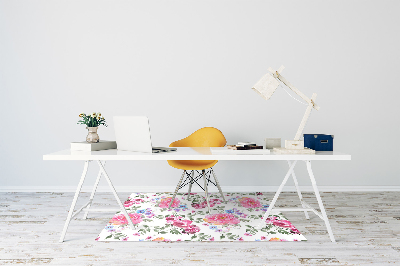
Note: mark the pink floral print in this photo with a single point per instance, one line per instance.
(282, 223)
(249, 202)
(130, 202)
(204, 204)
(166, 201)
(191, 229)
(185, 224)
(221, 219)
(121, 219)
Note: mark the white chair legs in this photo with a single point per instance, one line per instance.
(190, 184)
(206, 189)
(206, 175)
(176, 189)
(218, 186)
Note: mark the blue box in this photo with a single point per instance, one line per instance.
(318, 142)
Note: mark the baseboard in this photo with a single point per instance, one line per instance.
(196, 189)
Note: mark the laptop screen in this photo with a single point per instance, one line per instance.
(132, 133)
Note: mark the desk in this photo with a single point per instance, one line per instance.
(203, 153)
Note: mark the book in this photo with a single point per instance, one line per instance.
(244, 144)
(86, 146)
(250, 147)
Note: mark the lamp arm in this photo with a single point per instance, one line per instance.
(305, 117)
(293, 88)
(311, 102)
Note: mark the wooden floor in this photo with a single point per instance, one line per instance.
(366, 226)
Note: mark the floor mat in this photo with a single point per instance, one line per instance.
(188, 220)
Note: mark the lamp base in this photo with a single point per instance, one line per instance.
(293, 151)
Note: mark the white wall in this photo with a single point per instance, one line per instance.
(190, 64)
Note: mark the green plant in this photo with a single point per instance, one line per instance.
(93, 120)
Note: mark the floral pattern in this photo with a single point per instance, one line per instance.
(249, 202)
(221, 219)
(236, 219)
(121, 219)
(166, 201)
(130, 202)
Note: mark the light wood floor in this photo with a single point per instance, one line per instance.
(366, 227)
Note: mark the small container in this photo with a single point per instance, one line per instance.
(271, 143)
(318, 142)
(294, 144)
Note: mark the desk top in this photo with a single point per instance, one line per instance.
(186, 153)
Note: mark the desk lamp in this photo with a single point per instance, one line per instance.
(266, 86)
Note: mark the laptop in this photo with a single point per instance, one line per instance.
(133, 134)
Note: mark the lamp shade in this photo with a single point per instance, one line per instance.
(266, 86)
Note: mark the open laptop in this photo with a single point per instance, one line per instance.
(133, 134)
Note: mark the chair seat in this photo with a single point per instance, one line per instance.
(192, 164)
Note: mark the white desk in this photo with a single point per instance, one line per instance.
(193, 154)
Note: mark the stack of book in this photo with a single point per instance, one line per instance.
(245, 146)
(98, 146)
(240, 148)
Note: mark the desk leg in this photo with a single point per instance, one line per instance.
(271, 206)
(299, 192)
(93, 192)
(71, 210)
(123, 210)
(321, 205)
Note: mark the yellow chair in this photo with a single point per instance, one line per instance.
(204, 137)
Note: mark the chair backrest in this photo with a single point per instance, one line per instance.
(204, 137)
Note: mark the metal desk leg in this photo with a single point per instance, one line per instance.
(93, 192)
(71, 210)
(271, 206)
(299, 192)
(321, 205)
(116, 195)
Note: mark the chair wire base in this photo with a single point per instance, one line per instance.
(192, 177)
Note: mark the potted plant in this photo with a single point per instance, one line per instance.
(92, 123)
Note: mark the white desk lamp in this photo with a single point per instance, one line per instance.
(266, 86)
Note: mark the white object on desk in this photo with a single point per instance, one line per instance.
(132, 133)
(294, 144)
(271, 143)
(86, 146)
(203, 153)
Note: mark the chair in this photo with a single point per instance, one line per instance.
(204, 137)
